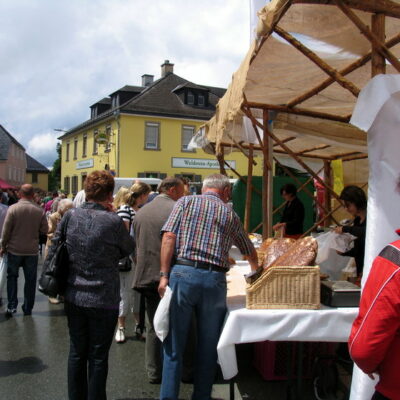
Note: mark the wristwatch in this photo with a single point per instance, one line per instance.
(164, 274)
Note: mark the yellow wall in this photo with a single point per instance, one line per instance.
(42, 180)
(128, 157)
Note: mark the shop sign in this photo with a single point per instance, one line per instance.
(85, 164)
(179, 162)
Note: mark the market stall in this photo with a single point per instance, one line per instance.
(292, 99)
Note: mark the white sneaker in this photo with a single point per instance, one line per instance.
(120, 335)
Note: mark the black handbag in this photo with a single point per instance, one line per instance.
(125, 264)
(53, 280)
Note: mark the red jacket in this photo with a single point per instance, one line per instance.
(374, 341)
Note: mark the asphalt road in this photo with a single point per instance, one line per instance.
(34, 352)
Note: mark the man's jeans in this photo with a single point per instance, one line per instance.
(204, 292)
(91, 332)
(29, 265)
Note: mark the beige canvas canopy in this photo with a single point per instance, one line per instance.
(303, 73)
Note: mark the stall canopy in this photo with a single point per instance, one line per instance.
(308, 64)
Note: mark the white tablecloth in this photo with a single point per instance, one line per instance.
(247, 326)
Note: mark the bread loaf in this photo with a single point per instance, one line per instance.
(275, 250)
(301, 253)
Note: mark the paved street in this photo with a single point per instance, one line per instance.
(33, 362)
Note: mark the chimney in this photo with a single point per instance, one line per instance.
(147, 80)
(167, 68)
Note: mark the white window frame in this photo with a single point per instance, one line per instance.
(150, 124)
(183, 145)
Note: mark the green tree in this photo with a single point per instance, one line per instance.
(55, 173)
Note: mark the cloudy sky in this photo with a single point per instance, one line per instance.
(60, 57)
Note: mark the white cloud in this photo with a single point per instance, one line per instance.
(58, 58)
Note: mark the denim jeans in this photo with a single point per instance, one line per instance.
(29, 265)
(204, 292)
(91, 332)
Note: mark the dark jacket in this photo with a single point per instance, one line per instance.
(374, 341)
(147, 226)
(358, 229)
(293, 215)
(96, 240)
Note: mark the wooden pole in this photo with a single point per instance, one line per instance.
(328, 198)
(247, 210)
(221, 162)
(379, 46)
(378, 62)
(332, 72)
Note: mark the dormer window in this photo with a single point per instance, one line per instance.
(190, 98)
(201, 101)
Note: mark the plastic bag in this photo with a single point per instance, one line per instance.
(3, 273)
(331, 240)
(161, 317)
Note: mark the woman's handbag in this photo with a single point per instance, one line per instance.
(53, 280)
(125, 264)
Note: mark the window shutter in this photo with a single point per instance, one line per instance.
(141, 175)
(163, 176)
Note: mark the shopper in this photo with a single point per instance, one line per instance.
(24, 222)
(147, 226)
(127, 203)
(200, 231)
(96, 239)
(356, 204)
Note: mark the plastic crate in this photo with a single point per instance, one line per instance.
(271, 359)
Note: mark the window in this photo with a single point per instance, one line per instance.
(83, 178)
(190, 98)
(95, 145)
(201, 100)
(66, 184)
(152, 136)
(187, 134)
(84, 145)
(74, 185)
(67, 153)
(75, 149)
(34, 177)
(108, 133)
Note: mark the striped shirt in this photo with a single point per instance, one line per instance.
(126, 213)
(205, 229)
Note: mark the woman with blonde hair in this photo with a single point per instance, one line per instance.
(127, 202)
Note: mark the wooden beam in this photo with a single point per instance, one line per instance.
(304, 165)
(247, 209)
(305, 155)
(328, 197)
(289, 139)
(337, 156)
(332, 72)
(345, 71)
(299, 111)
(378, 62)
(240, 147)
(267, 180)
(245, 146)
(315, 148)
(378, 45)
(360, 157)
(387, 7)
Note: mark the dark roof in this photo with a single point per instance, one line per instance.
(105, 100)
(33, 165)
(5, 141)
(190, 85)
(129, 88)
(159, 99)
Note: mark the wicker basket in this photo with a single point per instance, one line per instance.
(285, 287)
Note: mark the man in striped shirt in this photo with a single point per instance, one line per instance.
(199, 232)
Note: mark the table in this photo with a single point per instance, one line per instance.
(248, 326)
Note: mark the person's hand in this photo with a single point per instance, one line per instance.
(339, 230)
(162, 287)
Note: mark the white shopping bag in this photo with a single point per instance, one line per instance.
(3, 273)
(161, 317)
(331, 240)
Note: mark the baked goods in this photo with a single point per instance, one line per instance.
(265, 244)
(275, 250)
(301, 253)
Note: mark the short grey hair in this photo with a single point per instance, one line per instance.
(216, 181)
(64, 205)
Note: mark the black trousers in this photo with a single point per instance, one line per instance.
(91, 332)
(378, 396)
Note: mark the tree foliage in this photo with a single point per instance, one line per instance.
(55, 173)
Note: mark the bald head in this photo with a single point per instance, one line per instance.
(26, 191)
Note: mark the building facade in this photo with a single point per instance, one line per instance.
(37, 174)
(144, 131)
(12, 159)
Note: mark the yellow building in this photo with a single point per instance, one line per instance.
(146, 131)
(36, 174)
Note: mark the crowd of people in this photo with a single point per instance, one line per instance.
(125, 249)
